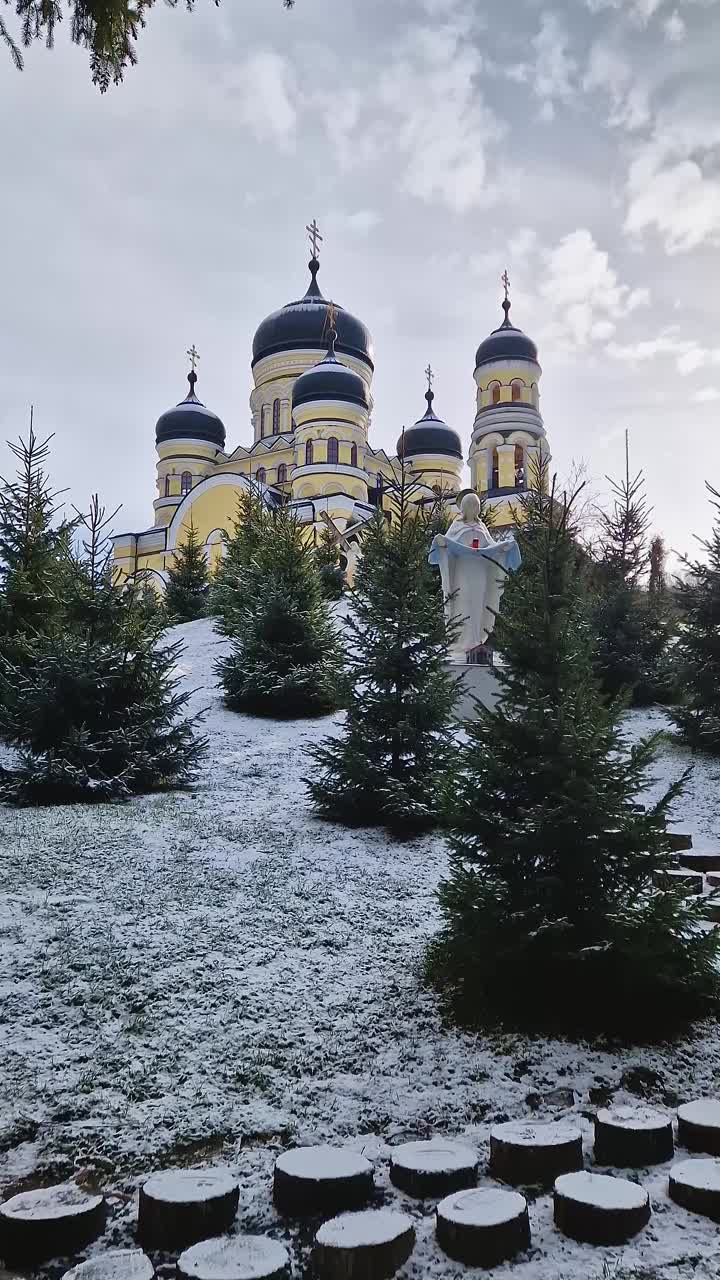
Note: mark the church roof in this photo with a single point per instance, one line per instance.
(190, 420)
(430, 435)
(303, 324)
(330, 380)
(506, 343)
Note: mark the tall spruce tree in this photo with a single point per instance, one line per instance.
(555, 911)
(698, 644)
(285, 658)
(95, 712)
(188, 583)
(239, 549)
(327, 558)
(633, 630)
(393, 760)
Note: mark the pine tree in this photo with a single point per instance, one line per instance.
(633, 631)
(698, 646)
(188, 584)
(239, 549)
(95, 712)
(285, 658)
(328, 562)
(34, 547)
(394, 758)
(554, 914)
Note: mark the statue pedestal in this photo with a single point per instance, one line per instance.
(477, 682)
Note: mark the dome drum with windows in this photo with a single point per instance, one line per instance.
(311, 408)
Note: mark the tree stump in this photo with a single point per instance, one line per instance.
(708, 861)
(370, 1245)
(534, 1154)
(699, 1126)
(52, 1222)
(633, 1137)
(433, 1168)
(119, 1264)
(713, 879)
(695, 1184)
(483, 1228)
(677, 841)
(310, 1180)
(237, 1258)
(181, 1206)
(596, 1209)
(691, 881)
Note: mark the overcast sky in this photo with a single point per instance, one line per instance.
(436, 142)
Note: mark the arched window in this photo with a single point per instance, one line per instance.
(496, 393)
(437, 490)
(380, 483)
(353, 456)
(282, 474)
(265, 421)
(186, 482)
(520, 479)
(260, 475)
(276, 417)
(332, 450)
(167, 486)
(516, 391)
(495, 478)
(308, 453)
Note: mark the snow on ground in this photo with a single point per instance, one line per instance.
(206, 977)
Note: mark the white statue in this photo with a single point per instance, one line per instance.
(473, 569)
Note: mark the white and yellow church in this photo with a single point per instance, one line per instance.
(311, 410)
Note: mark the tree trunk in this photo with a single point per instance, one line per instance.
(596, 1209)
(119, 1264)
(433, 1168)
(633, 1137)
(699, 1126)
(483, 1228)
(695, 1185)
(240, 1256)
(53, 1222)
(701, 861)
(371, 1245)
(181, 1206)
(314, 1180)
(534, 1154)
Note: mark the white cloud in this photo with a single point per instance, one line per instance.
(706, 395)
(674, 28)
(687, 354)
(640, 11)
(582, 294)
(608, 71)
(266, 96)
(673, 187)
(555, 70)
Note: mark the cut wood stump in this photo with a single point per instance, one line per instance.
(370, 1245)
(237, 1258)
(433, 1168)
(596, 1209)
(633, 1137)
(695, 1184)
(713, 879)
(699, 1126)
(310, 1180)
(677, 841)
(118, 1264)
(526, 1154)
(181, 1206)
(483, 1228)
(708, 861)
(691, 881)
(52, 1222)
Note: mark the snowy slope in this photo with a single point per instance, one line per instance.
(205, 977)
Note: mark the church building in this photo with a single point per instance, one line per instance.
(311, 417)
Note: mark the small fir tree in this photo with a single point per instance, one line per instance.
(188, 584)
(633, 630)
(394, 758)
(698, 645)
(554, 914)
(95, 712)
(285, 658)
(239, 548)
(327, 558)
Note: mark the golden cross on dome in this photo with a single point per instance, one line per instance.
(506, 281)
(331, 315)
(430, 377)
(313, 231)
(193, 356)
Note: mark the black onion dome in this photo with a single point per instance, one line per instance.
(303, 324)
(190, 420)
(330, 380)
(429, 435)
(506, 343)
